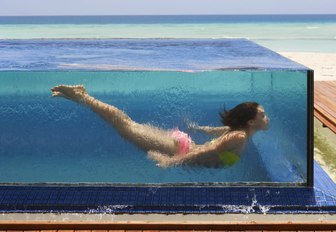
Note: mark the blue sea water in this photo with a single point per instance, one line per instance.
(308, 33)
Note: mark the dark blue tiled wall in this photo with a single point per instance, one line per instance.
(95, 199)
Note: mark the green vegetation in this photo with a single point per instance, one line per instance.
(326, 149)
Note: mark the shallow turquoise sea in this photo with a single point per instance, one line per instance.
(280, 33)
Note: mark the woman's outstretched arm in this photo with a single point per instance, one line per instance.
(215, 131)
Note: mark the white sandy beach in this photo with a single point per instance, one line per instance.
(323, 64)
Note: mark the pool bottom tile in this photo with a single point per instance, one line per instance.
(169, 200)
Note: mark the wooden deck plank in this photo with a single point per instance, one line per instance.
(328, 94)
(323, 117)
(324, 98)
(331, 84)
(181, 230)
(171, 230)
(168, 226)
(320, 112)
(326, 91)
(325, 121)
(325, 103)
(328, 85)
(325, 109)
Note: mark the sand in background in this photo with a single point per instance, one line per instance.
(323, 64)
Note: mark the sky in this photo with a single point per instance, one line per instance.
(164, 7)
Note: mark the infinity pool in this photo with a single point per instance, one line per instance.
(167, 83)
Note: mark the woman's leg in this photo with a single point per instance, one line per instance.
(144, 136)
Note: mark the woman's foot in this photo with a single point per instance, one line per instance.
(71, 92)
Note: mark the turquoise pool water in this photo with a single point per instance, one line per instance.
(164, 82)
(43, 139)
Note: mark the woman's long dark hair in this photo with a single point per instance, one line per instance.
(238, 117)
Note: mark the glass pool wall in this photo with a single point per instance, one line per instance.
(53, 140)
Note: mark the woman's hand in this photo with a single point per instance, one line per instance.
(192, 126)
(75, 92)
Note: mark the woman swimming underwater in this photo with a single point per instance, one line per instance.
(174, 147)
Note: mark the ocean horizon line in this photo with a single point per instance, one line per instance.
(86, 15)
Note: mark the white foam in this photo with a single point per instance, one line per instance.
(247, 209)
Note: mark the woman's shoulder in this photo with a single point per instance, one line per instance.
(232, 137)
(231, 140)
(237, 134)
